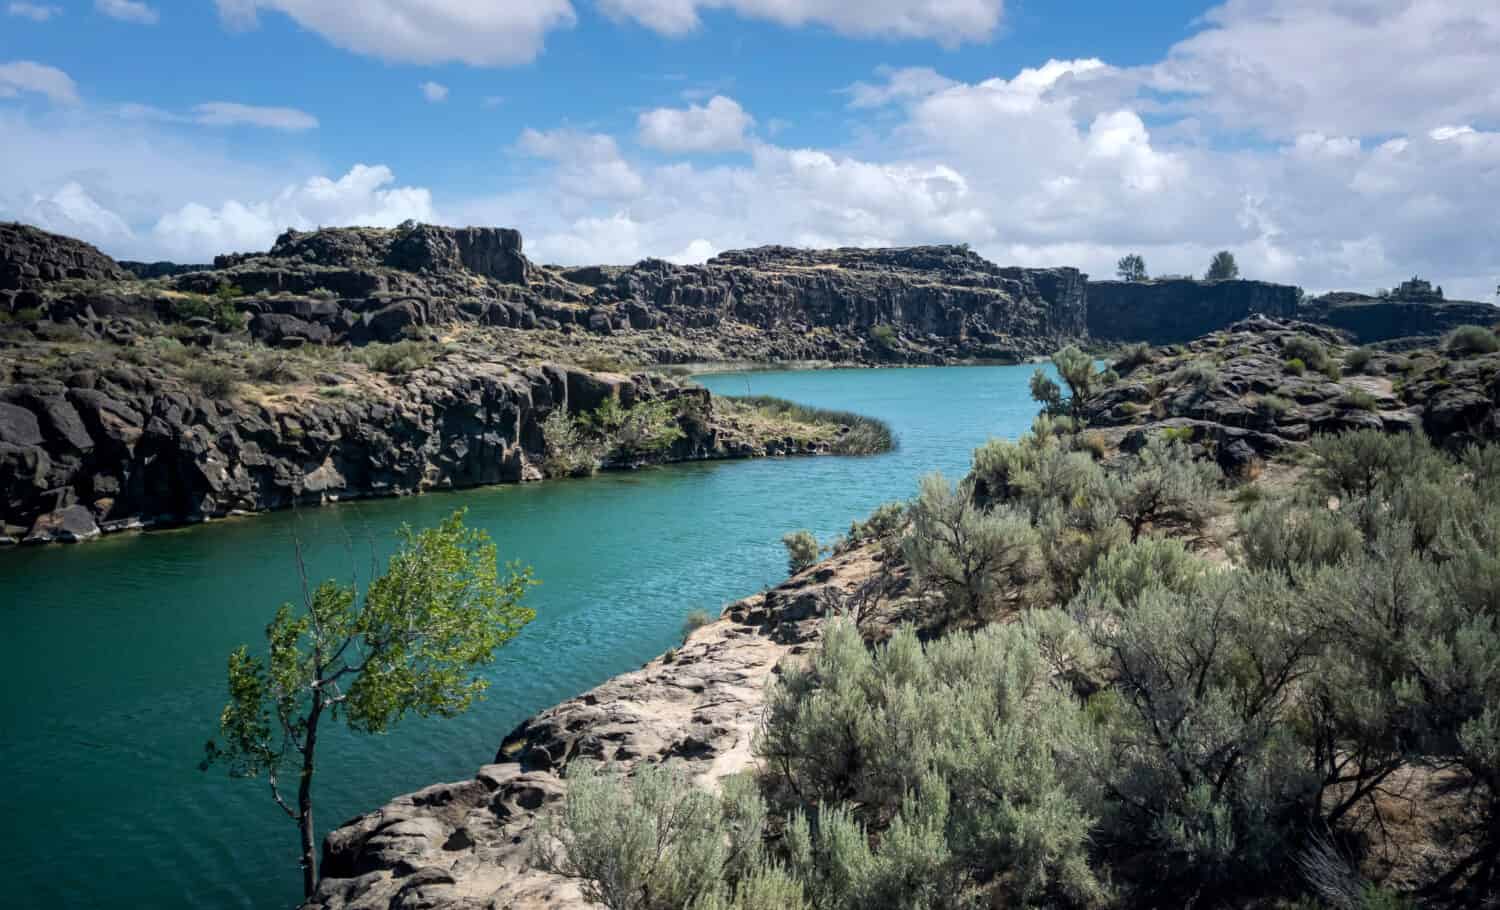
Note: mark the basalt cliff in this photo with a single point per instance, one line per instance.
(366, 361)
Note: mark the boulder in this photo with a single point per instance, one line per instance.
(18, 426)
(391, 323)
(278, 329)
(74, 524)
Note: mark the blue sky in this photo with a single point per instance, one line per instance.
(1338, 143)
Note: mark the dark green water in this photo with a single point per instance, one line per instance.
(113, 653)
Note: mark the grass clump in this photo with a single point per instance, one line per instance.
(1197, 374)
(844, 432)
(1133, 356)
(1468, 340)
(398, 358)
(1358, 359)
(1358, 400)
(214, 379)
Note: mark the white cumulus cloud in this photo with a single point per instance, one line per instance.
(950, 22)
(421, 31)
(1352, 67)
(717, 126)
(364, 196)
(589, 165)
(434, 92)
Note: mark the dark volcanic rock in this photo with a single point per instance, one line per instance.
(1253, 405)
(944, 299)
(1179, 310)
(31, 258)
(1375, 319)
(132, 446)
(148, 270)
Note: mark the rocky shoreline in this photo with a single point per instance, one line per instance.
(1242, 396)
(467, 845)
(127, 449)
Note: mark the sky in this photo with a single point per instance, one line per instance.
(1328, 143)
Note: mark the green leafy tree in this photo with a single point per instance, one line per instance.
(1223, 267)
(1131, 268)
(414, 645)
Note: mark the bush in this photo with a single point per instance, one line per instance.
(1197, 374)
(1285, 537)
(1311, 354)
(886, 521)
(568, 452)
(885, 337)
(219, 309)
(1166, 485)
(1357, 465)
(215, 380)
(1200, 749)
(958, 758)
(1467, 340)
(644, 429)
(973, 556)
(398, 358)
(1272, 407)
(1358, 400)
(1295, 366)
(1133, 356)
(802, 551)
(657, 842)
(1356, 360)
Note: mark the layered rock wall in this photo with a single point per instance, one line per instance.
(1374, 319)
(129, 447)
(1178, 310)
(940, 294)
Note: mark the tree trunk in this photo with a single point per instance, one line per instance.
(304, 803)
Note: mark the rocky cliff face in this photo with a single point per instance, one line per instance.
(1373, 319)
(1179, 310)
(941, 298)
(122, 446)
(31, 258)
(1244, 403)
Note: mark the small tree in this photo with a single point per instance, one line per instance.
(1223, 267)
(414, 645)
(802, 551)
(1083, 380)
(1131, 268)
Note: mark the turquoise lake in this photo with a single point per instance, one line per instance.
(113, 652)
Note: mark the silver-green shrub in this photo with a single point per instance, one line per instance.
(973, 556)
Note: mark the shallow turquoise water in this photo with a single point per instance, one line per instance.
(113, 653)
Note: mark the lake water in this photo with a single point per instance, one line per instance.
(113, 652)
